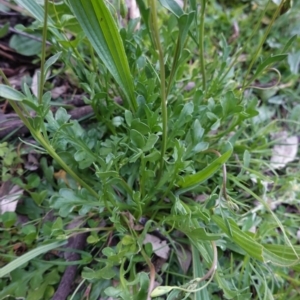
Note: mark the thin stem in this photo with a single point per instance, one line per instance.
(155, 33)
(201, 44)
(43, 57)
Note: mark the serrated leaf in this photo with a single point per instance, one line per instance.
(101, 30)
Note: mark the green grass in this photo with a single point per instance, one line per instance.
(191, 167)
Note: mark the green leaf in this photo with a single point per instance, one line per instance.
(202, 235)
(107, 175)
(50, 61)
(172, 6)
(281, 254)
(9, 218)
(267, 63)
(249, 245)
(206, 173)
(101, 30)
(288, 44)
(294, 62)
(198, 272)
(4, 30)
(29, 256)
(25, 45)
(128, 117)
(161, 290)
(184, 23)
(137, 138)
(140, 127)
(37, 11)
(151, 141)
(9, 93)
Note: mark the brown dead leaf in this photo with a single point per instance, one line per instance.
(284, 151)
(19, 248)
(185, 258)
(131, 221)
(9, 196)
(32, 163)
(58, 91)
(61, 174)
(133, 11)
(34, 84)
(160, 248)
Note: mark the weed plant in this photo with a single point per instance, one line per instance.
(176, 148)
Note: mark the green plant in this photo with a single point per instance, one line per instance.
(142, 165)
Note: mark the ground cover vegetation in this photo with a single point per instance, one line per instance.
(178, 177)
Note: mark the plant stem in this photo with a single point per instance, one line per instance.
(155, 33)
(43, 57)
(201, 44)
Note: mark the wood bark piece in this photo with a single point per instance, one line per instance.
(76, 242)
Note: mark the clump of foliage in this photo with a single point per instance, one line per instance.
(176, 157)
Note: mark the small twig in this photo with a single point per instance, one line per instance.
(236, 32)
(152, 273)
(213, 267)
(65, 286)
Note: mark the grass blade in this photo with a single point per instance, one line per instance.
(29, 256)
(206, 173)
(101, 30)
(254, 249)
